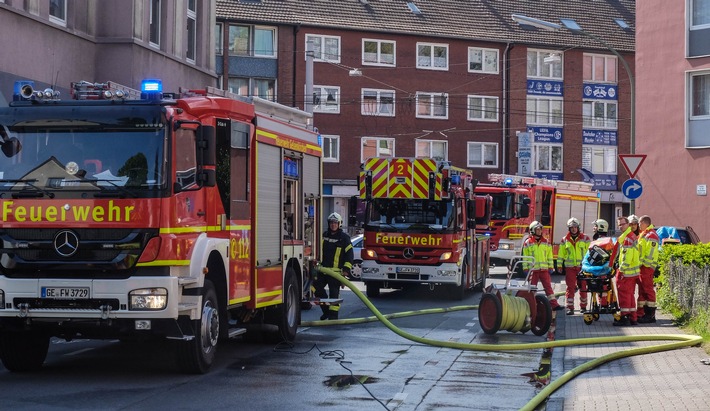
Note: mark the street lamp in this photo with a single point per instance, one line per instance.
(572, 26)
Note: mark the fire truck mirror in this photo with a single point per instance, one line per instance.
(471, 214)
(11, 146)
(206, 146)
(524, 209)
(352, 211)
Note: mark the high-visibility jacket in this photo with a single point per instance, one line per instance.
(337, 250)
(541, 250)
(648, 246)
(572, 249)
(629, 254)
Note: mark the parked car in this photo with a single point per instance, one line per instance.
(357, 242)
(682, 235)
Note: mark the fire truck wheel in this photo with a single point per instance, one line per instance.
(490, 313)
(23, 350)
(196, 356)
(543, 316)
(373, 289)
(286, 315)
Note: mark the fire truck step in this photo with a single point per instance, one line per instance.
(187, 280)
(326, 301)
(187, 306)
(233, 332)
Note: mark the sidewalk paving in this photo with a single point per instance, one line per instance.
(668, 380)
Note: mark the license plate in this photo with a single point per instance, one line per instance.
(65, 293)
(408, 270)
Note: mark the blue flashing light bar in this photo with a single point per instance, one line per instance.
(151, 89)
(508, 181)
(456, 179)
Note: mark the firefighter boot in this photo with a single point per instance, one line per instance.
(325, 310)
(649, 316)
(333, 315)
(624, 321)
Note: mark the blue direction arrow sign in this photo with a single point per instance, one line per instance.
(632, 189)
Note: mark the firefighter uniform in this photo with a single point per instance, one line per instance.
(629, 276)
(646, 303)
(337, 255)
(540, 249)
(572, 250)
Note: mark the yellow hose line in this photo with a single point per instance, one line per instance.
(350, 321)
(683, 340)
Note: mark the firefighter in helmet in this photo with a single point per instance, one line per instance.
(338, 256)
(600, 228)
(629, 274)
(648, 246)
(538, 247)
(573, 246)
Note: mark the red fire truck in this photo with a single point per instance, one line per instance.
(188, 217)
(420, 224)
(518, 201)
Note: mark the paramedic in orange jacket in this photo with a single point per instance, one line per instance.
(648, 246)
(540, 248)
(629, 272)
(572, 249)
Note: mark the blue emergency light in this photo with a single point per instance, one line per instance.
(456, 179)
(508, 181)
(151, 89)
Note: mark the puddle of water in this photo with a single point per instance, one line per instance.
(340, 381)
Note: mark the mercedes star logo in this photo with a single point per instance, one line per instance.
(66, 243)
(408, 253)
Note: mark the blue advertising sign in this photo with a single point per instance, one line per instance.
(604, 182)
(600, 137)
(524, 154)
(549, 175)
(632, 189)
(600, 91)
(545, 88)
(546, 134)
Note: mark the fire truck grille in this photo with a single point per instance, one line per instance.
(90, 304)
(81, 255)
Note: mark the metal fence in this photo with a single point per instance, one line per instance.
(691, 286)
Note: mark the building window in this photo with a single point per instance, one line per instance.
(599, 114)
(331, 149)
(482, 108)
(257, 41)
(435, 149)
(218, 36)
(376, 147)
(433, 56)
(600, 68)
(482, 60)
(699, 28)
(482, 155)
(547, 158)
(325, 48)
(432, 105)
(377, 102)
(155, 22)
(545, 64)
(326, 99)
(544, 111)
(191, 30)
(264, 88)
(599, 159)
(58, 12)
(700, 13)
(698, 110)
(378, 53)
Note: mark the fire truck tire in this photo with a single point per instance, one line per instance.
(373, 289)
(23, 351)
(543, 316)
(490, 313)
(196, 356)
(286, 315)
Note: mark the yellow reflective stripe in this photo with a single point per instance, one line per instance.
(163, 263)
(349, 247)
(239, 300)
(198, 229)
(336, 258)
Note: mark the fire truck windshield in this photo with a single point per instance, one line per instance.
(404, 214)
(502, 206)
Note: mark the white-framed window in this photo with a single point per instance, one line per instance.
(698, 115)
(379, 52)
(436, 149)
(432, 105)
(432, 56)
(376, 147)
(700, 13)
(331, 148)
(377, 102)
(326, 99)
(482, 154)
(257, 41)
(218, 39)
(600, 68)
(155, 10)
(260, 87)
(599, 159)
(600, 114)
(58, 12)
(543, 110)
(482, 60)
(545, 64)
(191, 30)
(325, 48)
(547, 157)
(482, 108)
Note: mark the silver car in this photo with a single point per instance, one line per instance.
(357, 242)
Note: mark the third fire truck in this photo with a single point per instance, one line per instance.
(420, 224)
(518, 201)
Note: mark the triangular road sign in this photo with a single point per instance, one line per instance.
(632, 162)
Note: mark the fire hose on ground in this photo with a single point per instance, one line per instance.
(681, 340)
